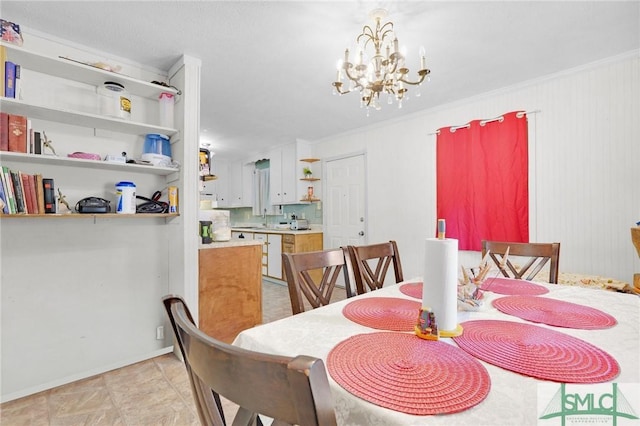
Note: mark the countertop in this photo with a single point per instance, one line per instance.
(231, 243)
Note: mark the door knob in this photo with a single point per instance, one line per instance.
(361, 233)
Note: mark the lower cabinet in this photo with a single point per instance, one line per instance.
(276, 243)
(230, 290)
(299, 243)
(271, 254)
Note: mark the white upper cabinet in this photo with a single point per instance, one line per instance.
(240, 184)
(282, 179)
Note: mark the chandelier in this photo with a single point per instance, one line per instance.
(382, 72)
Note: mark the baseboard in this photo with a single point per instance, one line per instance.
(86, 374)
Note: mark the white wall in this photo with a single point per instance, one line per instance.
(584, 153)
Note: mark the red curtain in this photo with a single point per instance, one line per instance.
(482, 181)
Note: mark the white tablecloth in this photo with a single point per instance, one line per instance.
(513, 398)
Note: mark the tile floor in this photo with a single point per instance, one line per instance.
(152, 392)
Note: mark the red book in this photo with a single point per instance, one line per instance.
(33, 194)
(4, 131)
(28, 190)
(40, 193)
(17, 133)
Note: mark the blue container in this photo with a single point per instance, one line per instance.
(157, 149)
(155, 143)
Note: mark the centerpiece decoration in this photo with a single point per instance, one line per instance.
(470, 285)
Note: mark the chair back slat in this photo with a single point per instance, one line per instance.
(312, 276)
(371, 263)
(538, 254)
(292, 390)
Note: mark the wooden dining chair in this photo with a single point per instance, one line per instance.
(314, 275)
(370, 264)
(535, 257)
(290, 390)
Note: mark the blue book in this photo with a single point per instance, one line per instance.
(9, 79)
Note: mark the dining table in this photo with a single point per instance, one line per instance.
(585, 336)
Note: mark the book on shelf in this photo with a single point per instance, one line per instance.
(18, 83)
(27, 193)
(3, 59)
(17, 133)
(9, 79)
(24, 193)
(37, 143)
(39, 192)
(49, 195)
(29, 137)
(8, 188)
(18, 192)
(4, 131)
(4, 201)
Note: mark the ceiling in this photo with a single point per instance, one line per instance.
(267, 66)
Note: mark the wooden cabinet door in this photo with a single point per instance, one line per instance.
(229, 302)
(308, 242)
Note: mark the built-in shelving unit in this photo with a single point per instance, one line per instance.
(310, 198)
(78, 72)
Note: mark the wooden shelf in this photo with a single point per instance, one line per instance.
(309, 160)
(89, 215)
(312, 200)
(310, 179)
(82, 163)
(82, 119)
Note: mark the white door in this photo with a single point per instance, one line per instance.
(344, 203)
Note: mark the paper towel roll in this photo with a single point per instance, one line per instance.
(440, 289)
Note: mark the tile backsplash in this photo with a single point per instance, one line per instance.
(311, 212)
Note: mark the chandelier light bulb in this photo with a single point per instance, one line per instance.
(422, 54)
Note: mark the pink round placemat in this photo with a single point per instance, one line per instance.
(510, 286)
(408, 374)
(537, 352)
(384, 313)
(412, 289)
(554, 312)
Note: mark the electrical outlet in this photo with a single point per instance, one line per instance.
(160, 333)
